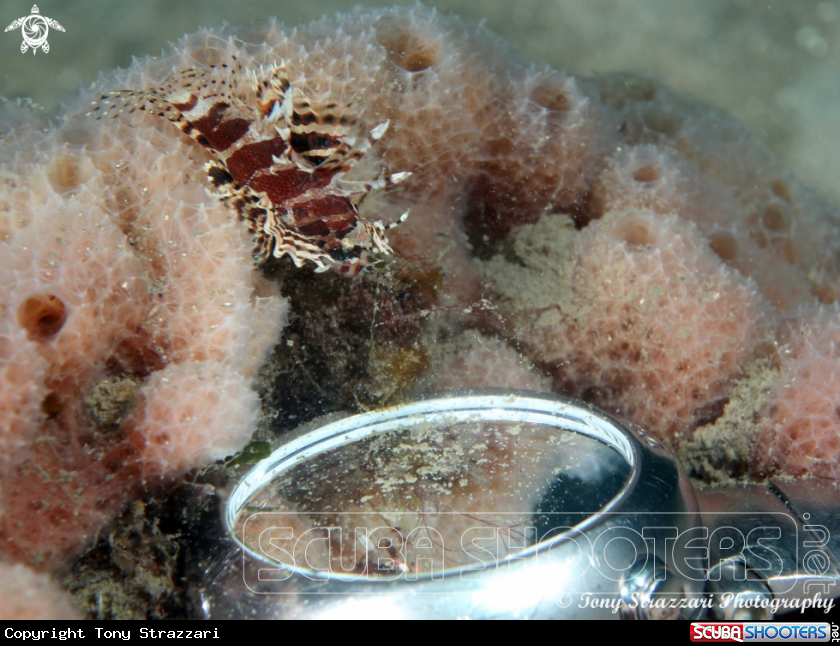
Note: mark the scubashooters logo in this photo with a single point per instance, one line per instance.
(35, 28)
(762, 632)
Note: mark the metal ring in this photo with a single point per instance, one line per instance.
(568, 575)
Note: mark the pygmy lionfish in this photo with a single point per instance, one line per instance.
(278, 163)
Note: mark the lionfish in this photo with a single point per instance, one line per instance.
(278, 163)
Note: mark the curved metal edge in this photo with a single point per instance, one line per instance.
(452, 407)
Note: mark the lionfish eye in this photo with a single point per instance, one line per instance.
(341, 254)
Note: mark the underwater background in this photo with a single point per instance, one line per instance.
(773, 65)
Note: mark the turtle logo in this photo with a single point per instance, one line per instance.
(35, 28)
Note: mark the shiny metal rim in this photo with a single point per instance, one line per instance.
(451, 408)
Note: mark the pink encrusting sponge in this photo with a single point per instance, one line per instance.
(800, 430)
(666, 326)
(131, 328)
(25, 594)
(645, 320)
(635, 249)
